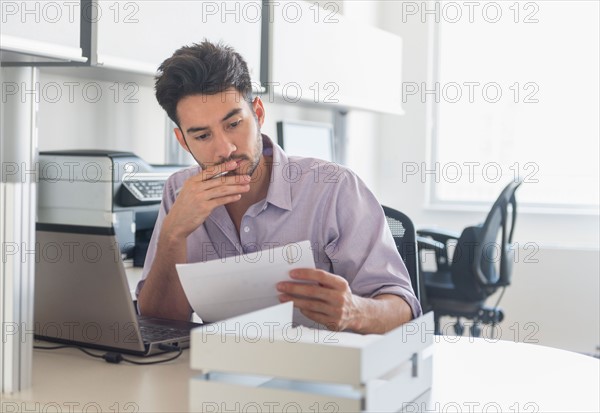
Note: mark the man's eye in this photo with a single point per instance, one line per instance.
(201, 137)
(235, 124)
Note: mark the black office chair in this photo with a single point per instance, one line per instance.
(405, 238)
(481, 264)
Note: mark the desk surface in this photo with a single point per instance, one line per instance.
(468, 375)
(514, 376)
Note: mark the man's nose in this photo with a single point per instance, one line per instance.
(224, 147)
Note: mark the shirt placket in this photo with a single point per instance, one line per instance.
(249, 228)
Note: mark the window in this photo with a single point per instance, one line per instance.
(515, 92)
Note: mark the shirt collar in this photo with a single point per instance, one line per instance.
(280, 189)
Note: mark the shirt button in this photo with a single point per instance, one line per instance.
(246, 229)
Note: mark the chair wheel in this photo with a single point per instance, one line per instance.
(475, 330)
(500, 316)
(459, 328)
(491, 315)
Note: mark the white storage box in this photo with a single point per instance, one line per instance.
(259, 362)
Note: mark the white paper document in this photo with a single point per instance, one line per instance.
(232, 286)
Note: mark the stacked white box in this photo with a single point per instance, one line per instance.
(259, 362)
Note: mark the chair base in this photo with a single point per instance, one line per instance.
(476, 311)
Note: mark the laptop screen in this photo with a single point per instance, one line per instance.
(81, 290)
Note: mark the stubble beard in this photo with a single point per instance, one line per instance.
(254, 162)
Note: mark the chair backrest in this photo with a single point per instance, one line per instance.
(405, 238)
(484, 255)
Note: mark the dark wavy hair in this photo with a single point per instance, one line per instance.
(205, 68)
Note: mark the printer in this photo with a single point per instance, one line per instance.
(103, 189)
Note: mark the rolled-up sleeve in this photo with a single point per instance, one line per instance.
(362, 248)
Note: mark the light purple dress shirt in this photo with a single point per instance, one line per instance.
(307, 199)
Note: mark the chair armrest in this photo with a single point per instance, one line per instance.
(429, 244)
(440, 235)
(437, 243)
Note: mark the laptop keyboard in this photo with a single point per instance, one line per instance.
(153, 333)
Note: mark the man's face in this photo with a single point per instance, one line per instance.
(220, 128)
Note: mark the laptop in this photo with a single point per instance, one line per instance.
(82, 296)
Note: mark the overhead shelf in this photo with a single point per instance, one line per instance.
(39, 31)
(300, 54)
(317, 57)
(143, 37)
(18, 49)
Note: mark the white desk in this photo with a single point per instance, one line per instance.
(468, 375)
(514, 376)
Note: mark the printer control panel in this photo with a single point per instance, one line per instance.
(145, 191)
(142, 189)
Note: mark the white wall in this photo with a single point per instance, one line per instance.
(85, 108)
(125, 116)
(362, 131)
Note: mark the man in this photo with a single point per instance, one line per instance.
(265, 200)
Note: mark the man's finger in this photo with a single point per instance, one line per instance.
(322, 277)
(219, 170)
(315, 306)
(226, 190)
(315, 292)
(211, 170)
